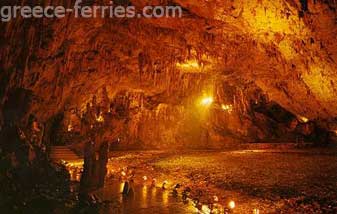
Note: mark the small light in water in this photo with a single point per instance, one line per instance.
(145, 191)
(123, 173)
(207, 101)
(231, 204)
(216, 199)
(256, 211)
(145, 178)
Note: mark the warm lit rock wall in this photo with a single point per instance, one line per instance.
(225, 49)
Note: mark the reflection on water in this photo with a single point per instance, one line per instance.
(153, 192)
(144, 196)
(165, 195)
(152, 196)
(144, 199)
(149, 199)
(156, 197)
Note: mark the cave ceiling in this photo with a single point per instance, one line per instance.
(292, 59)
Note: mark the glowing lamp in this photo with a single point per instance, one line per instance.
(231, 204)
(100, 119)
(207, 101)
(256, 211)
(70, 128)
(303, 119)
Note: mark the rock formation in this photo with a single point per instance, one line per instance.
(269, 66)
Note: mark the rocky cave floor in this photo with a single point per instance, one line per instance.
(258, 181)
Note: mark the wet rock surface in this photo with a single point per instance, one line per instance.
(286, 181)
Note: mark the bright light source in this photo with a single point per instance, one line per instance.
(145, 178)
(207, 101)
(303, 119)
(231, 204)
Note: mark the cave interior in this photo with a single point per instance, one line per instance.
(227, 75)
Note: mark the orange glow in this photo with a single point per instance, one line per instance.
(100, 119)
(154, 181)
(189, 65)
(256, 211)
(303, 119)
(70, 128)
(231, 204)
(166, 195)
(228, 108)
(205, 209)
(164, 185)
(144, 193)
(207, 101)
(121, 187)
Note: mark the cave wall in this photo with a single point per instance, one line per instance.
(155, 71)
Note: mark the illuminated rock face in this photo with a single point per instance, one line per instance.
(243, 57)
